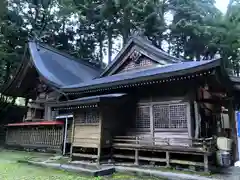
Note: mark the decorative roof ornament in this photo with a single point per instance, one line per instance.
(138, 33)
(135, 56)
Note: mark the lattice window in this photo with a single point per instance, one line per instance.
(161, 116)
(90, 117)
(178, 116)
(170, 116)
(143, 117)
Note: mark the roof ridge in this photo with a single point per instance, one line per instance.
(148, 43)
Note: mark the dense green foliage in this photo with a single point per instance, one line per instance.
(88, 29)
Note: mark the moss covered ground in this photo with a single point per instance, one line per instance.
(10, 169)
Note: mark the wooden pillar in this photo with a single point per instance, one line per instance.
(72, 138)
(65, 136)
(101, 133)
(167, 159)
(233, 135)
(98, 154)
(151, 126)
(47, 113)
(196, 133)
(206, 168)
(136, 153)
(136, 157)
(6, 137)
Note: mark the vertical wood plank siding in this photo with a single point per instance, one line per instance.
(86, 129)
(50, 137)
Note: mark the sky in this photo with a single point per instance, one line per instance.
(222, 5)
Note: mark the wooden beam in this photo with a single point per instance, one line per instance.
(183, 162)
(123, 156)
(213, 101)
(85, 155)
(72, 138)
(233, 135)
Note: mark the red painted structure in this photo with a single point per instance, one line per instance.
(42, 123)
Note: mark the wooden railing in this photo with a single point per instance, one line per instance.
(134, 141)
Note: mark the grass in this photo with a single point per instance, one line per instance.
(200, 173)
(11, 170)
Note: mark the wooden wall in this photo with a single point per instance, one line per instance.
(108, 125)
(85, 135)
(35, 137)
(116, 120)
(166, 136)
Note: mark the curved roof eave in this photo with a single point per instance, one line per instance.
(58, 70)
(54, 68)
(36, 61)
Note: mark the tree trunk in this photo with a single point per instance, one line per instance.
(126, 27)
(229, 7)
(100, 40)
(7, 72)
(110, 44)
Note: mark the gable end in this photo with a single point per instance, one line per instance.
(153, 56)
(136, 61)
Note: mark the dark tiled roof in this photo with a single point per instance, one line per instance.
(154, 73)
(59, 69)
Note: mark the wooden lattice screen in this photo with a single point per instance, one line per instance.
(170, 116)
(143, 117)
(164, 116)
(42, 137)
(90, 116)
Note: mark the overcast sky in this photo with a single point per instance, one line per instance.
(222, 5)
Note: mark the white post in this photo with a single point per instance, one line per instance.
(65, 136)
(47, 113)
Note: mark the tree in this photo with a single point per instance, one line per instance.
(87, 28)
(225, 36)
(189, 30)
